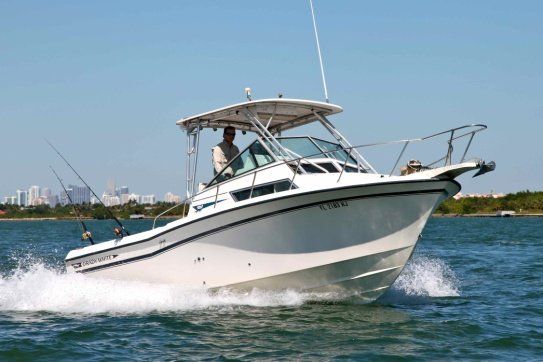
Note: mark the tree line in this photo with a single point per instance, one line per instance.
(96, 211)
(520, 202)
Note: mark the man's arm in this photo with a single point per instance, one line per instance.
(218, 158)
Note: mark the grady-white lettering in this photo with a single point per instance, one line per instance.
(94, 261)
(333, 205)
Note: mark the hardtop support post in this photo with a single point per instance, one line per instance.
(197, 148)
(260, 128)
(193, 143)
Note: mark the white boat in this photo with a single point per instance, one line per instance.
(298, 212)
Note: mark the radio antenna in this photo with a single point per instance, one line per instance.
(319, 51)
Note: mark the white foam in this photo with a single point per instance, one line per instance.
(40, 288)
(36, 287)
(424, 276)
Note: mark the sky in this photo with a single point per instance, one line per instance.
(106, 81)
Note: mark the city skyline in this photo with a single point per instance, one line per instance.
(106, 85)
(37, 195)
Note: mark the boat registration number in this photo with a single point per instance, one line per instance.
(333, 205)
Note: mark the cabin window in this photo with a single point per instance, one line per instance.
(328, 166)
(309, 168)
(261, 190)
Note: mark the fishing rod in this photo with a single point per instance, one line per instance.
(86, 233)
(117, 231)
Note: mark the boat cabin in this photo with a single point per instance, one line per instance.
(269, 163)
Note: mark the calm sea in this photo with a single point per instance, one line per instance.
(473, 290)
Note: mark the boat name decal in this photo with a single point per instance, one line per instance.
(94, 261)
(207, 204)
(333, 205)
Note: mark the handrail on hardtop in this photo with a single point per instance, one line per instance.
(298, 161)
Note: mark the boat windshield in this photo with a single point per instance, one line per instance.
(311, 147)
(301, 147)
(253, 157)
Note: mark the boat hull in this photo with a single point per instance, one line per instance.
(355, 238)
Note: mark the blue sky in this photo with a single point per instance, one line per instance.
(106, 81)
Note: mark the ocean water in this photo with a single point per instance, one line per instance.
(473, 290)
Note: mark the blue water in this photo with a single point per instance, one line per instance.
(473, 290)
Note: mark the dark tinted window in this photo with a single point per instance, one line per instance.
(309, 168)
(328, 166)
(262, 190)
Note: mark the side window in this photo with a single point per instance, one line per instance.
(309, 168)
(262, 190)
(328, 167)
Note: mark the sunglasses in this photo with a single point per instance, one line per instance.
(230, 134)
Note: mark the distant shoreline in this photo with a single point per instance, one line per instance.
(437, 215)
(75, 219)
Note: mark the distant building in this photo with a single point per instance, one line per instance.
(46, 191)
(148, 199)
(135, 198)
(79, 194)
(491, 195)
(42, 200)
(10, 200)
(123, 190)
(125, 198)
(53, 200)
(64, 199)
(22, 197)
(171, 198)
(105, 198)
(110, 188)
(33, 193)
(110, 200)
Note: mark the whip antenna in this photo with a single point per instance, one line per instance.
(319, 51)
